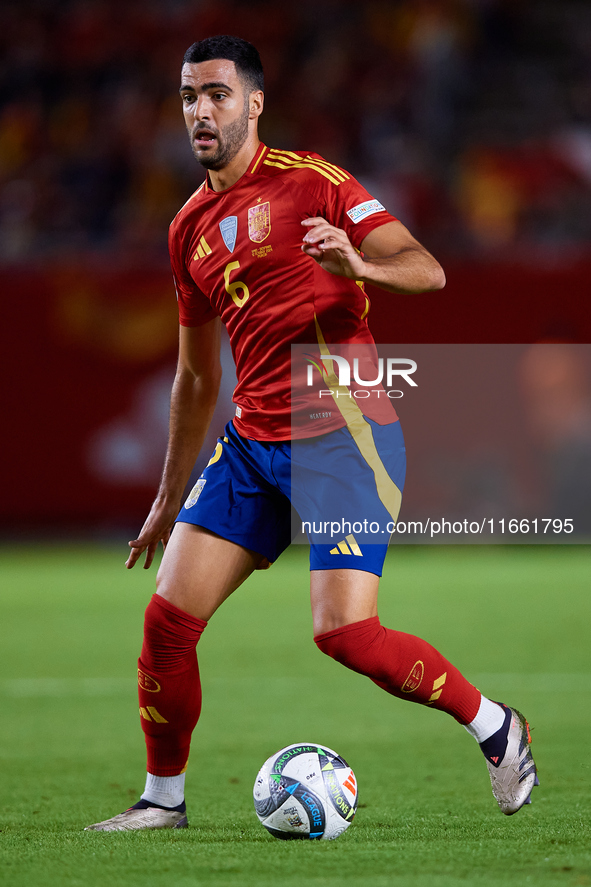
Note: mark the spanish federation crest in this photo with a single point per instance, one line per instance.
(259, 222)
(229, 230)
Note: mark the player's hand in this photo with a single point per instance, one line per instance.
(157, 528)
(332, 249)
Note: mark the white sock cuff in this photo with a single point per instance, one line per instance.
(169, 791)
(489, 719)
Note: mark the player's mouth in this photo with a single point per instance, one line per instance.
(204, 138)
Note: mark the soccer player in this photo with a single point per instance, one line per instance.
(277, 246)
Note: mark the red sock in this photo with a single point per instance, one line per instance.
(169, 685)
(402, 664)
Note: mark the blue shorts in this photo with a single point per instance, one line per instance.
(342, 489)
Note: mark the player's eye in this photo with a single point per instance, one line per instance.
(187, 98)
(218, 96)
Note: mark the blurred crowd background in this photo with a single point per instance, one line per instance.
(469, 119)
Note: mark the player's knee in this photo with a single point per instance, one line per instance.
(172, 587)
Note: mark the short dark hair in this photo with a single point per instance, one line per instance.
(244, 55)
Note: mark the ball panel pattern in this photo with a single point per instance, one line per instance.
(305, 791)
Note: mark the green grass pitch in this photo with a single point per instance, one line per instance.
(514, 620)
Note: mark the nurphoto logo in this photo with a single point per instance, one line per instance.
(385, 371)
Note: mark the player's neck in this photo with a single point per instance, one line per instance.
(221, 179)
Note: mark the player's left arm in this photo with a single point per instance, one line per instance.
(392, 259)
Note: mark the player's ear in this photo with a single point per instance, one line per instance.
(256, 101)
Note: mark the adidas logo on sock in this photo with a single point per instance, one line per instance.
(344, 548)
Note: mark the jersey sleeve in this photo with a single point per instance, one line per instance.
(351, 208)
(195, 309)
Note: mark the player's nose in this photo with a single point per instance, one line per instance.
(202, 108)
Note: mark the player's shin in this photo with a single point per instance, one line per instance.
(403, 665)
(169, 687)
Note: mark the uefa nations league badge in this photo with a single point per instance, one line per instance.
(229, 230)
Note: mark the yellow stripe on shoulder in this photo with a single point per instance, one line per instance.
(336, 169)
(303, 164)
(294, 159)
(291, 154)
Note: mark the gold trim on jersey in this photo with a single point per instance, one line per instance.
(292, 156)
(289, 160)
(262, 154)
(360, 430)
(203, 249)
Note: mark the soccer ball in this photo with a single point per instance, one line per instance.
(305, 791)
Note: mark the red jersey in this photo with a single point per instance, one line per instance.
(237, 254)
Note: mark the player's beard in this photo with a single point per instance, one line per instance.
(230, 140)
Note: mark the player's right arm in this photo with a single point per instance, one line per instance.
(193, 399)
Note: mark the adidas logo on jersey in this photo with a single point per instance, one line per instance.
(203, 249)
(347, 546)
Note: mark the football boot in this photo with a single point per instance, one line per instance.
(143, 815)
(510, 764)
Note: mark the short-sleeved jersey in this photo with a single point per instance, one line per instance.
(237, 254)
